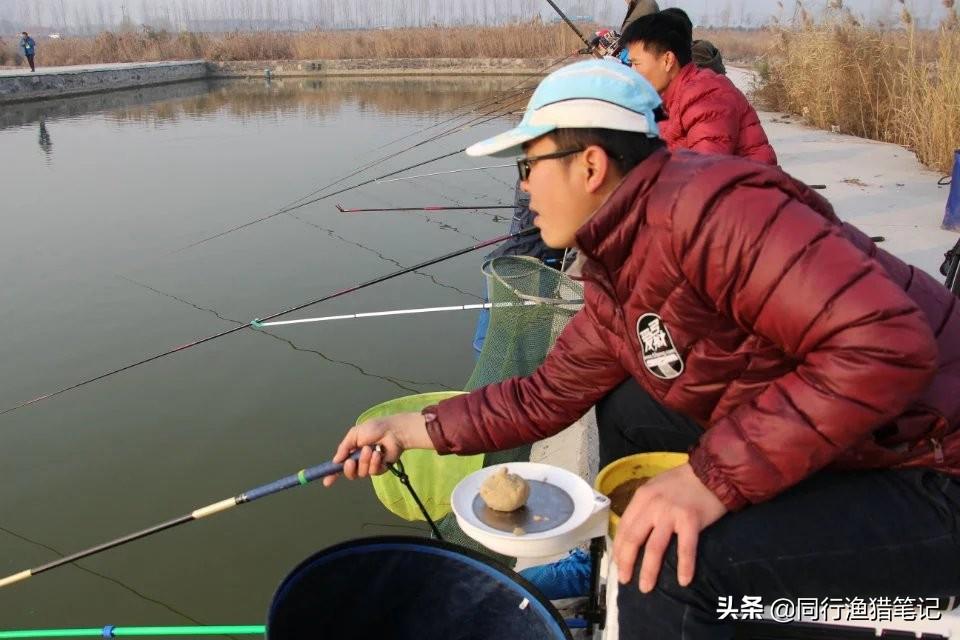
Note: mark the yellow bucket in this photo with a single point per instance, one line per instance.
(640, 465)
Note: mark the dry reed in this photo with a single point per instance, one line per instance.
(533, 39)
(527, 40)
(896, 85)
(739, 45)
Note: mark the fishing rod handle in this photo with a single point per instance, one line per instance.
(304, 476)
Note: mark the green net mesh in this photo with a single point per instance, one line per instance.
(532, 303)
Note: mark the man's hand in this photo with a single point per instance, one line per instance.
(674, 502)
(395, 434)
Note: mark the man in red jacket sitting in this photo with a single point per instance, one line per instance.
(728, 312)
(706, 112)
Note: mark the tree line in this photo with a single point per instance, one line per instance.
(91, 16)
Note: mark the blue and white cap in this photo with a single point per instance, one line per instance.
(595, 94)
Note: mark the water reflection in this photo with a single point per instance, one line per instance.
(21, 114)
(45, 143)
(320, 98)
(256, 98)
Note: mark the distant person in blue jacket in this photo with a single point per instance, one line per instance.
(29, 48)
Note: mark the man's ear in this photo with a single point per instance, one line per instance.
(670, 61)
(597, 167)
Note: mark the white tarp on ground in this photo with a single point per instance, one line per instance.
(879, 187)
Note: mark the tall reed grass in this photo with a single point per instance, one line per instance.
(739, 46)
(533, 39)
(899, 85)
(524, 40)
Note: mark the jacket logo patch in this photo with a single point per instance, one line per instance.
(660, 357)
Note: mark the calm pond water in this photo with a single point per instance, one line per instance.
(96, 195)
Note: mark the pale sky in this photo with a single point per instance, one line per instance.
(347, 13)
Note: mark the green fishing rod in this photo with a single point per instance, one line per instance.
(114, 631)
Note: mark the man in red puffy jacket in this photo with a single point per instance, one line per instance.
(812, 377)
(706, 112)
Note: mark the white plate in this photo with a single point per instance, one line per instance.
(589, 519)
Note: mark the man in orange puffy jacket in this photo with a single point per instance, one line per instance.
(728, 312)
(706, 112)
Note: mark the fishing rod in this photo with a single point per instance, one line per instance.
(301, 478)
(363, 285)
(477, 120)
(114, 631)
(323, 197)
(463, 127)
(484, 102)
(340, 191)
(431, 208)
(301, 203)
(569, 22)
(296, 204)
(513, 98)
(444, 173)
(258, 324)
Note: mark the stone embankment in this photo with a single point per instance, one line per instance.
(17, 85)
(57, 82)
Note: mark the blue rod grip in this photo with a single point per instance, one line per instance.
(302, 477)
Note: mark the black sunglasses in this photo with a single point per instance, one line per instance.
(524, 165)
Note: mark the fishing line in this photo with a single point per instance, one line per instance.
(195, 343)
(476, 121)
(444, 173)
(428, 208)
(513, 98)
(512, 90)
(301, 205)
(346, 189)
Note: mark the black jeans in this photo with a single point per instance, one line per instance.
(30, 60)
(868, 534)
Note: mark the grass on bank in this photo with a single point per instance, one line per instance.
(899, 85)
(533, 39)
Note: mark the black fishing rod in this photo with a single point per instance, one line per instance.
(580, 35)
(364, 183)
(301, 478)
(483, 103)
(477, 120)
(509, 94)
(323, 197)
(253, 324)
(432, 208)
